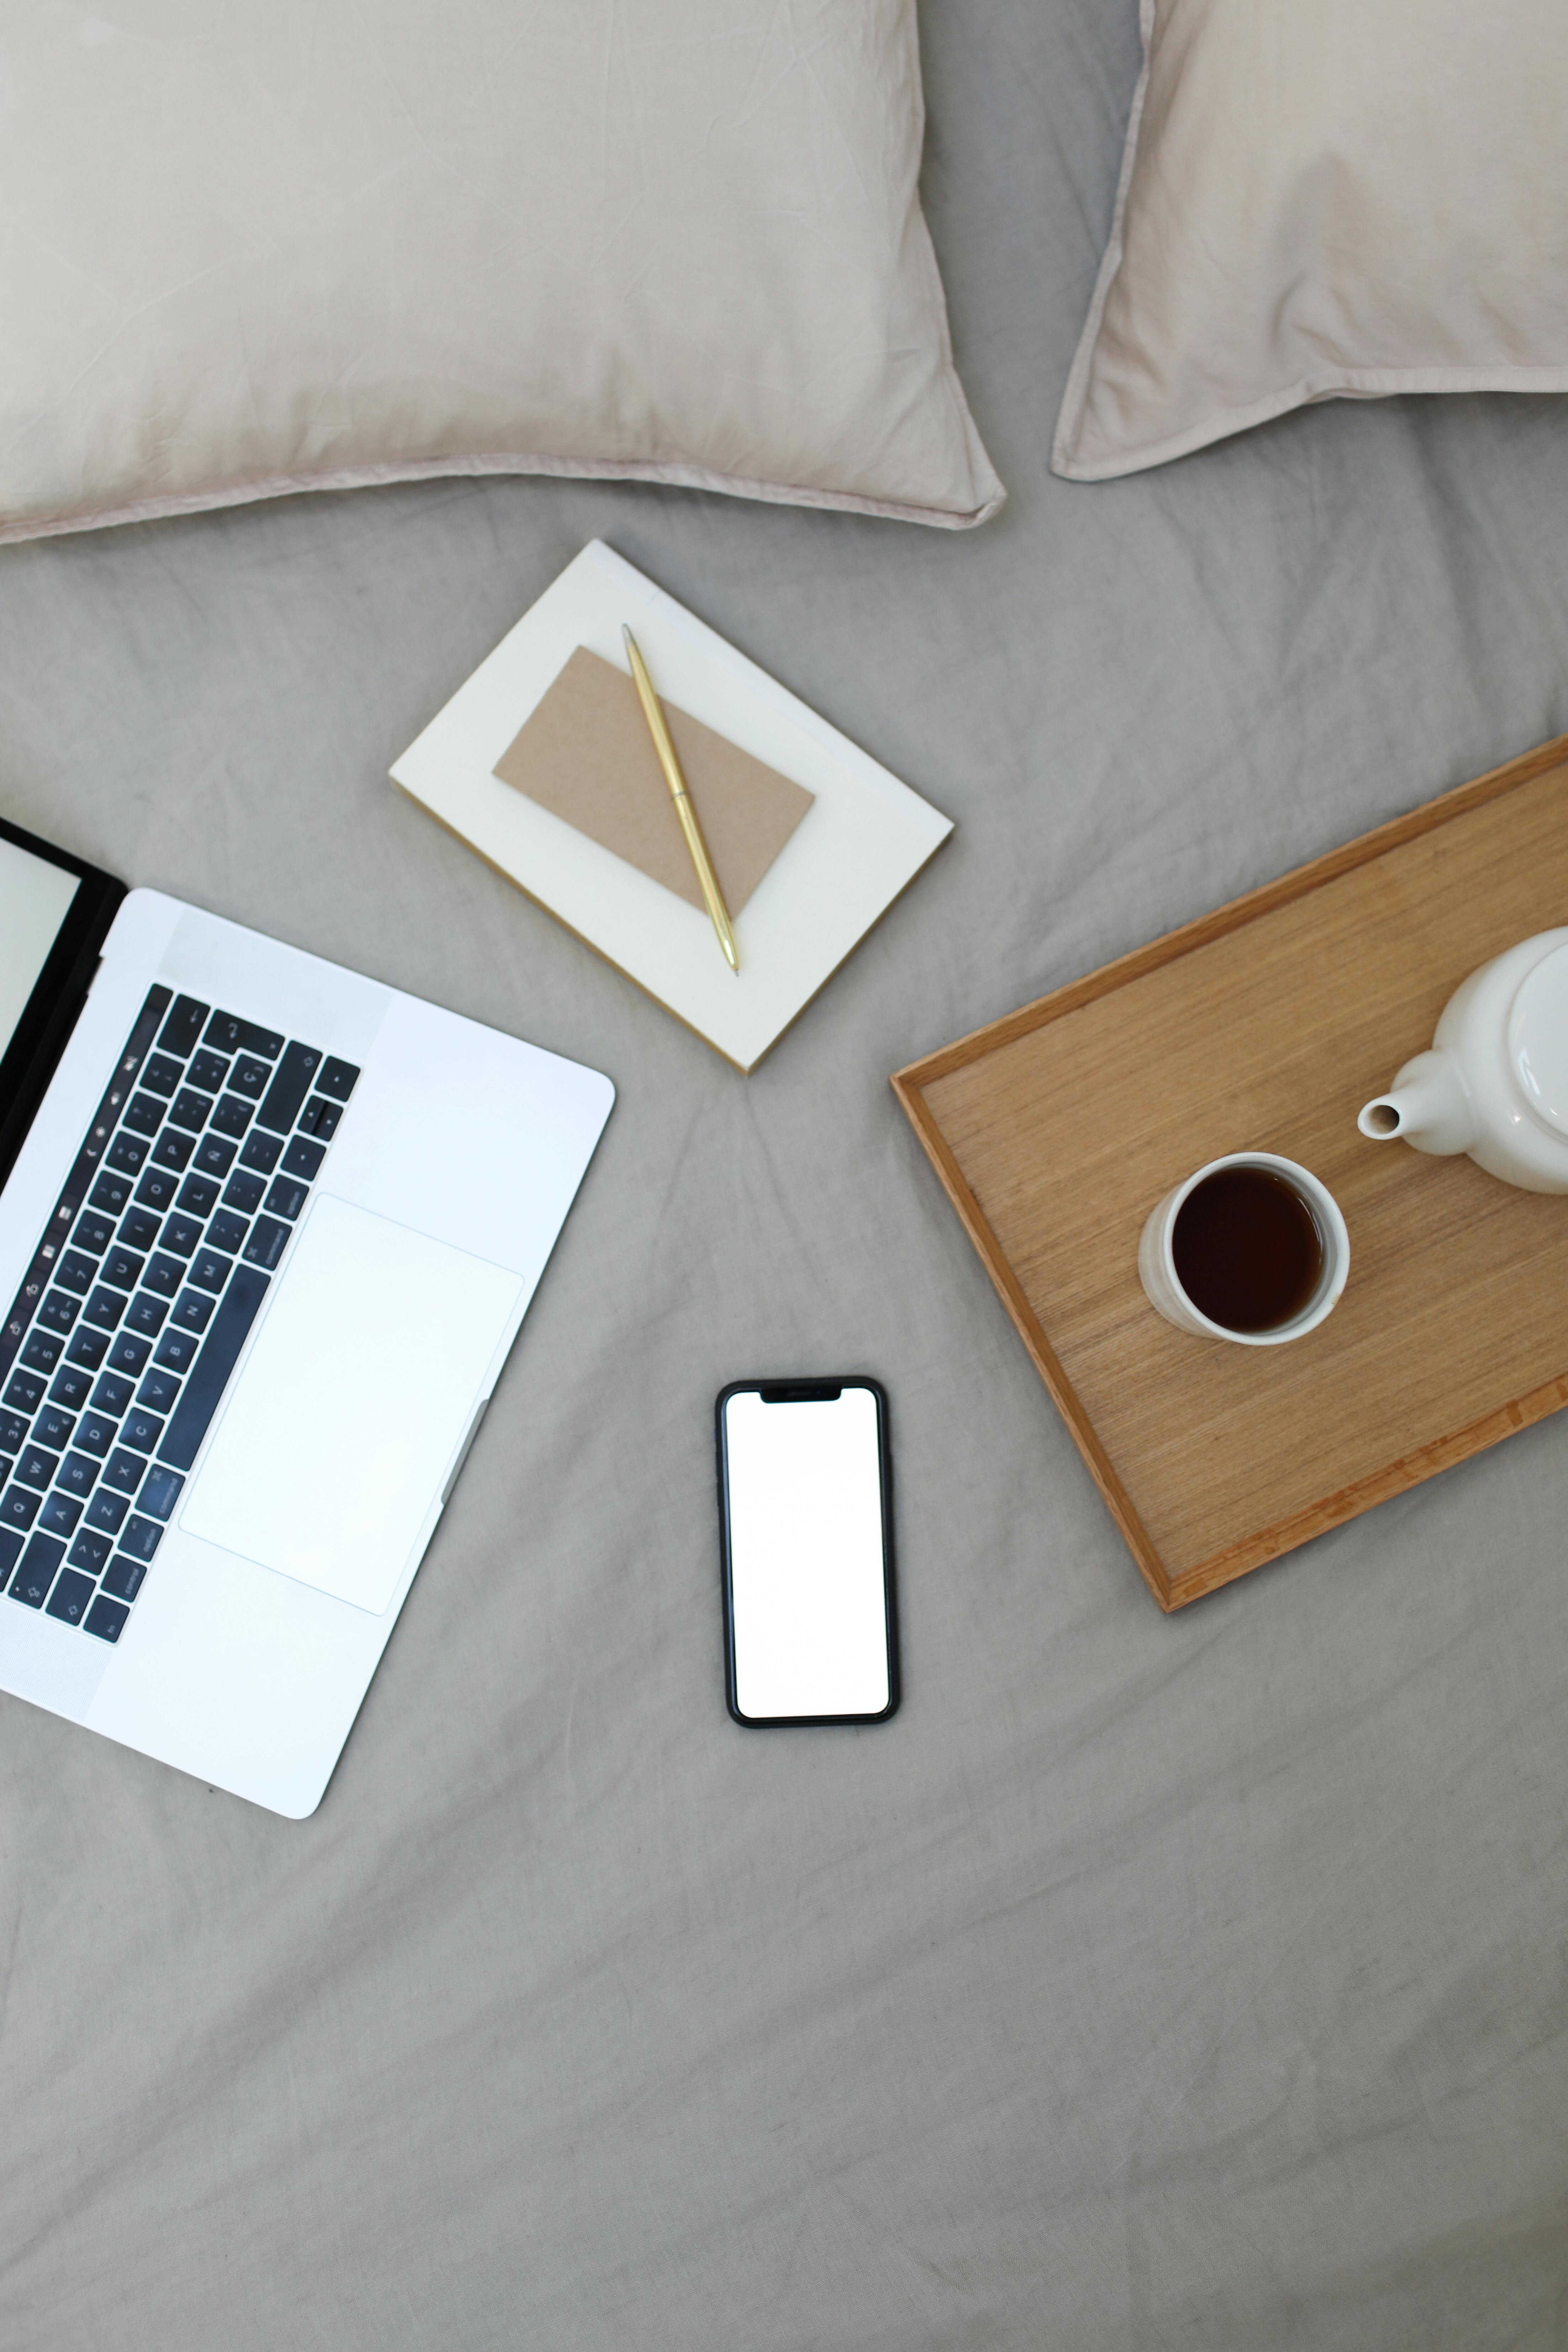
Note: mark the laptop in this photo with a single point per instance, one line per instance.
(268, 1230)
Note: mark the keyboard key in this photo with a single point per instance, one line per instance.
(209, 1271)
(36, 1570)
(42, 1352)
(144, 1114)
(243, 1192)
(248, 1078)
(261, 1152)
(160, 1076)
(266, 1242)
(123, 1469)
(147, 1313)
(160, 1493)
(287, 1197)
(220, 1352)
(173, 1149)
(230, 1035)
(157, 1189)
(107, 1510)
(60, 1514)
(320, 1118)
(78, 1470)
(209, 1071)
(113, 1393)
(18, 1507)
(175, 1349)
(111, 1192)
(139, 1231)
(69, 1387)
(95, 1434)
(13, 1430)
(10, 1551)
(142, 1431)
(182, 1030)
(158, 1391)
(290, 1084)
(105, 1309)
(105, 1619)
(6, 1466)
(182, 1234)
(227, 1232)
(191, 1110)
(53, 1428)
(71, 1596)
(58, 1311)
(232, 1116)
(122, 1267)
(193, 1310)
(199, 1195)
(125, 1572)
(215, 1155)
(87, 1348)
(337, 1079)
(75, 1273)
(164, 1275)
(92, 1233)
(27, 1392)
(90, 1552)
(126, 1153)
(36, 1466)
(128, 1353)
(304, 1158)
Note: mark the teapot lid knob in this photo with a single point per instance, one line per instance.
(1538, 1039)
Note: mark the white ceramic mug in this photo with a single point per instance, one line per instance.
(1157, 1264)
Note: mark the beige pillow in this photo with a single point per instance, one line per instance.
(1322, 197)
(257, 246)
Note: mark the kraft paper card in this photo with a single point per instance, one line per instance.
(586, 755)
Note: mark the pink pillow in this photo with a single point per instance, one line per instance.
(1325, 197)
(257, 246)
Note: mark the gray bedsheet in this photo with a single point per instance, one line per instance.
(1146, 1982)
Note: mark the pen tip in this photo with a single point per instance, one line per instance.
(626, 637)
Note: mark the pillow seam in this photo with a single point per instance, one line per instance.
(983, 474)
(1070, 416)
(673, 474)
(1312, 392)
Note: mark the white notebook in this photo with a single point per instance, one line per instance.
(864, 837)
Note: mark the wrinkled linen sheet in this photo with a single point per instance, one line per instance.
(1146, 1982)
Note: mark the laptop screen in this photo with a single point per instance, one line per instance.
(34, 899)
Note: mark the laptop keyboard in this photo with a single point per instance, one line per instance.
(118, 1348)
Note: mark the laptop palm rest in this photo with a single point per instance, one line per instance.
(361, 1386)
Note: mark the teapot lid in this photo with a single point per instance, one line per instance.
(1538, 1038)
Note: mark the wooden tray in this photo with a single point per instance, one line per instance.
(1264, 1026)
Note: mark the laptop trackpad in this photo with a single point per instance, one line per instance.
(348, 1413)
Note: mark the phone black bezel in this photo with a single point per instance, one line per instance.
(791, 1389)
(49, 1015)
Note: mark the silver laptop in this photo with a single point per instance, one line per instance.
(268, 1230)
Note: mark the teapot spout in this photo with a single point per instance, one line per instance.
(1426, 1106)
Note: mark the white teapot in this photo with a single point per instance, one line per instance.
(1494, 1082)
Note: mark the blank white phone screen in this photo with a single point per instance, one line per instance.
(808, 1610)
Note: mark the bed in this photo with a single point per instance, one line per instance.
(1146, 1981)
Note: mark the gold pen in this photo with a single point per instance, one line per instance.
(707, 879)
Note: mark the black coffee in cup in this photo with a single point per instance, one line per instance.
(1247, 1249)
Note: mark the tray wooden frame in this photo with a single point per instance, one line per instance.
(1272, 1019)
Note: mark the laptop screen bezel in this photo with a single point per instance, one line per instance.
(58, 993)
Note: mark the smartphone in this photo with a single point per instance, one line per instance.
(807, 1536)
